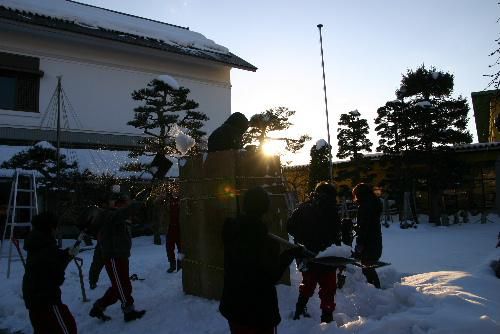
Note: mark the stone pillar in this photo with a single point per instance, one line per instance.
(211, 188)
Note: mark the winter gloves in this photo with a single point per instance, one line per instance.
(73, 251)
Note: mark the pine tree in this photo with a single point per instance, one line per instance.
(422, 126)
(352, 140)
(352, 136)
(273, 120)
(393, 127)
(319, 165)
(167, 117)
(165, 112)
(437, 119)
(43, 159)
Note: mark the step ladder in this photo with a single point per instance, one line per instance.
(23, 206)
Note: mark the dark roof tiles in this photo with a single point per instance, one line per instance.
(120, 36)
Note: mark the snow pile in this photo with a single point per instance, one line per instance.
(184, 142)
(424, 104)
(355, 113)
(45, 145)
(169, 81)
(342, 251)
(320, 144)
(439, 282)
(92, 17)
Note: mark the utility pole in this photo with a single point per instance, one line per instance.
(326, 103)
(58, 148)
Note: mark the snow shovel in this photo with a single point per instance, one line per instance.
(79, 264)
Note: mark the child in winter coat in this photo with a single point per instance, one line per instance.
(115, 245)
(252, 266)
(369, 240)
(43, 277)
(316, 225)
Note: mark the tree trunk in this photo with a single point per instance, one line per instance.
(435, 196)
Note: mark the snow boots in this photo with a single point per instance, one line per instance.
(301, 308)
(130, 313)
(173, 267)
(98, 312)
(327, 316)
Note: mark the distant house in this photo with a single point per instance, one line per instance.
(102, 56)
(486, 106)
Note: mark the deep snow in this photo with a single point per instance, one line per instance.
(439, 282)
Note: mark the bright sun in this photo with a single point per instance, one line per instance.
(271, 147)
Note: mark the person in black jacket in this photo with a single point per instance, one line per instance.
(173, 235)
(369, 240)
(43, 277)
(252, 266)
(115, 243)
(316, 225)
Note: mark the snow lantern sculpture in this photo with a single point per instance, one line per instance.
(212, 187)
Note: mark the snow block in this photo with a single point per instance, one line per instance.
(211, 191)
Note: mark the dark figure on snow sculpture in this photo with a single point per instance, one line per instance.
(316, 225)
(229, 136)
(44, 275)
(369, 240)
(115, 243)
(252, 266)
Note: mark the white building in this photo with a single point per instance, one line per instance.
(102, 56)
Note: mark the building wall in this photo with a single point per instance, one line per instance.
(99, 76)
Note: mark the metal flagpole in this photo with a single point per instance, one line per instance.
(326, 103)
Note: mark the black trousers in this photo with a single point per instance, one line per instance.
(371, 277)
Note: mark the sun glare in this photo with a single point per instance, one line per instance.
(271, 148)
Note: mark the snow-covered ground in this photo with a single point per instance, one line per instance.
(439, 282)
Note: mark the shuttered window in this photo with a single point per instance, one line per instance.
(19, 82)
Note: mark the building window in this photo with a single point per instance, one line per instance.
(19, 82)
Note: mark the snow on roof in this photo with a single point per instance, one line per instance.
(169, 80)
(94, 17)
(45, 144)
(424, 104)
(98, 162)
(321, 143)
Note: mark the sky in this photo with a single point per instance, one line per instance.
(367, 45)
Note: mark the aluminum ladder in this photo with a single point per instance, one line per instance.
(23, 206)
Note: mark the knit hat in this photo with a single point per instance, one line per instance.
(45, 221)
(256, 202)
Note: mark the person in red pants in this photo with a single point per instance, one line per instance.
(316, 225)
(44, 275)
(174, 236)
(115, 242)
